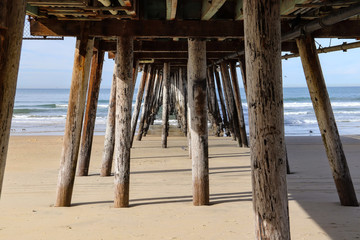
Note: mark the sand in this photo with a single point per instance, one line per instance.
(160, 193)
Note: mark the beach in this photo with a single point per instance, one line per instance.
(161, 195)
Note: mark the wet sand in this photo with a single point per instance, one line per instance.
(160, 193)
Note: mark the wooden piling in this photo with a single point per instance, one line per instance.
(145, 103)
(109, 142)
(165, 104)
(139, 97)
(243, 72)
(229, 97)
(199, 130)
(238, 104)
(213, 102)
(12, 15)
(268, 167)
(124, 83)
(75, 113)
(222, 102)
(326, 120)
(90, 112)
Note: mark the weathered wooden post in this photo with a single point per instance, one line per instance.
(268, 167)
(229, 97)
(90, 112)
(146, 102)
(124, 84)
(238, 104)
(326, 120)
(222, 102)
(75, 113)
(12, 15)
(243, 72)
(165, 104)
(139, 97)
(109, 142)
(199, 129)
(213, 102)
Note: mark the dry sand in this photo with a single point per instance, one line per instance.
(160, 193)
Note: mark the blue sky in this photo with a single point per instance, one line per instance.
(48, 64)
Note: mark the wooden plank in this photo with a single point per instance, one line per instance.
(90, 112)
(124, 85)
(210, 8)
(109, 142)
(289, 6)
(165, 104)
(74, 119)
(140, 28)
(199, 130)
(171, 6)
(11, 33)
(266, 121)
(326, 120)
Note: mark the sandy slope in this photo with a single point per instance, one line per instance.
(160, 194)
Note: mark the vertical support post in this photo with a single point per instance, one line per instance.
(238, 104)
(146, 102)
(139, 97)
(222, 102)
(124, 85)
(234, 125)
(326, 120)
(12, 15)
(243, 72)
(199, 129)
(109, 142)
(90, 112)
(165, 111)
(268, 165)
(75, 113)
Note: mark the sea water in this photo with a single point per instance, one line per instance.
(43, 111)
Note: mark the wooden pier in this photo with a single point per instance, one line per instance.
(188, 52)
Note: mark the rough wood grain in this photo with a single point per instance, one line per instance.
(74, 119)
(263, 66)
(11, 31)
(326, 120)
(165, 104)
(199, 129)
(90, 112)
(109, 142)
(124, 85)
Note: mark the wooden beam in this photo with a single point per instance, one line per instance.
(109, 142)
(180, 46)
(140, 28)
(74, 119)
(11, 33)
(178, 55)
(326, 120)
(198, 124)
(171, 6)
(266, 121)
(90, 112)
(210, 8)
(289, 6)
(124, 86)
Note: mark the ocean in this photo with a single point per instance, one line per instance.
(43, 111)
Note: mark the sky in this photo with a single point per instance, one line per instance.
(48, 64)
